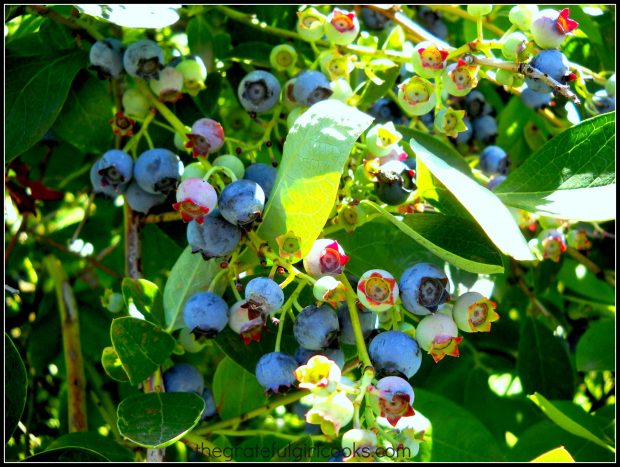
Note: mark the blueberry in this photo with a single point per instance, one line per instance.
(438, 335)
(603, 103)
(265, 293)
(242, 202)
(326, 257)
(263, 174)
(275, 372)
(115, 168)
(316, 327)
(423, 288)
(485, 129)
(143, 59)
(494, 160)
(464, 136)
(216, 237)
(142, 201)
(368, 321)
(205, 314)
(386, 110)
(551, 27)
(168, 86)
(495, 181)
(552, 63)
(206, 137)
(158, 171)
(311, 87)
(98, 188)
(535, 100)
(394, 183)
(210, 410)
(476, 105)
(395, 353)
(106, 58)
(233, 163)
(373, 19)
(184, 377)
(258, 91)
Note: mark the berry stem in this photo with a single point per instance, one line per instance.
(284, 309)
(219, 168)
(135, 139)
(355, 323)
(162, 109)
(479, 33)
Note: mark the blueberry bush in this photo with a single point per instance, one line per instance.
(295, 232)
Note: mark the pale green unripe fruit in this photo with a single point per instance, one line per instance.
(432, 326)
(522, 16)
(179, 140)
(231, 162)
(135, 104)
(505, 77)
(610, 86)
(189, 342)
(294, 115)
(193, 170)
(514, 44)
(479, 10)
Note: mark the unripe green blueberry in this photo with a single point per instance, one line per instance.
(194, 74)
(189, 342)
(359, 444)
(231, 162)
(179, 140)
(288, 98)
(479, 10)
(473, 312)
(283, 57)
(522, 16)
(438, 335)
(310, 24)
(135, 104)
(428, 60)
(329, 289)
(381, 138)
(169, 85)
(294, 115)
(331, 413)
(610, 86)
(377, 290)
(341, 90)
(505, 77)
(514, 45)
(416, 96)
(113, 301)
(341, 27)
(193, 170)
(460, 78)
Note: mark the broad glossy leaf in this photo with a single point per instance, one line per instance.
(545, 436)
(157, 420)
(189, 275)
(450, 423)
(146, 296)
(35, 90)
(570, 177)
(235, 399)
(481, 203)
(112, 365)
(315, 152)
(543, 362)
(15, 388)
(578, 278)
(455, 240)
(83, 121)
(596, 348)
(555, 455)
(373, 92)
(107, 447)
(68, 454)
(255, 51)
(571, 418)
(141, 346)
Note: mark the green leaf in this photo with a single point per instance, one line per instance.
(146, 296)
(35, 90)
(555, 455)
(544, 436)
(596, 348)
(95, 442)
(438, 148)
(373, 92)
(199, 37)
(15, 388)
(255, 51)
(450, 424)
(235, 399)
(189, 275)
(543, 362)
(482, 204)
(112, 365)
(296, 451)
(455, 240)
(571, 418)
(83, 121)
(315, 152)
(68, 454)
(157, 420)
(578, 278)
(141, 346)
(570, 177)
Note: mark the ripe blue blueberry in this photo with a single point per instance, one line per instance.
(432, 21)
(476, 105)
(258, 91)
(394, 183)
(140, 200)
(205, 314)
(368, 321)
(158, 171)
(494, 160)
(603, 103)
(535, 100)
(210, 410)
(143, 59)
(100, 189)
(242, 202)
(115, 168)
(184, 377)
(311, 87)
(395, 353)
(464, 136)
(316, 327)
(485, 129)
(216, 237)
(386, 110)
(423, 288)
(265, 294)
(552, 63)
(373, 19)
(275, 372)
(106, 58)
(263, 174)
